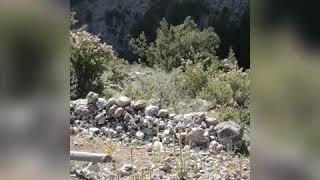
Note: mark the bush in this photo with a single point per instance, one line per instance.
(190, 81)
(217, 90)
(156, 87)
(88, 59)
(175, 45)
(239, 82)
(240, 115)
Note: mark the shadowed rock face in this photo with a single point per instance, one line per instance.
(118, 20)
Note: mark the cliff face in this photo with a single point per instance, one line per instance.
(118, 20)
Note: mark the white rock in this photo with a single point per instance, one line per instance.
(138, 105)
(140, 135)
(94, 130)
(92, 97)
(100, 115)
(123, 101)
(163, 113)
(211, 121)
(101, 103)
(151, 110)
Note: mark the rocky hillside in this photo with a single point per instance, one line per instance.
(118, 20)
(158, 132)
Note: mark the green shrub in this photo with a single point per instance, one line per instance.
(240, 115)
(88, 59)
(217, 90)
(175, 45)
(240, 85)
(190, 81)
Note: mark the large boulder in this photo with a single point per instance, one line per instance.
(123, 101)
(151, 110)
(196, 136)
(229, 134)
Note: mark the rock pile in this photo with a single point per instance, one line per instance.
(136, 120)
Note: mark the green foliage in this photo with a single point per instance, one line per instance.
(157, 86)
(217, 90)
(175, 45)
(240, 115)
(88, 59)
(240, 84)
(191, 81)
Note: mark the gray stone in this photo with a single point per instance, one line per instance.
(101, 103)
(211, 121)
(100, 116)
(229, 134)
(123, 101)
(112, 101)
(151, 110)
(119, 128)
(166, 140)
(127, 170)
(163, 113)
(196, 135)
(140, 135)
(138, 105)
(118, 112)
(127, 117)
(166, 167)
(101, 121)
(112, 109)
(94, 130)
(92, 97)
(196, 117)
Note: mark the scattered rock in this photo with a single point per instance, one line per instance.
(94, 130)
(101, 103)
(196, 135)
(138, 105)
(112, 101)
(151, 110)
(211, 121)
(123, 101)
(163, 113)
(112, 109)
(127, 170)
(140, 135)
(118, 112)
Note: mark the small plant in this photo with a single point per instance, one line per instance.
(182, 162)
(111, 146)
